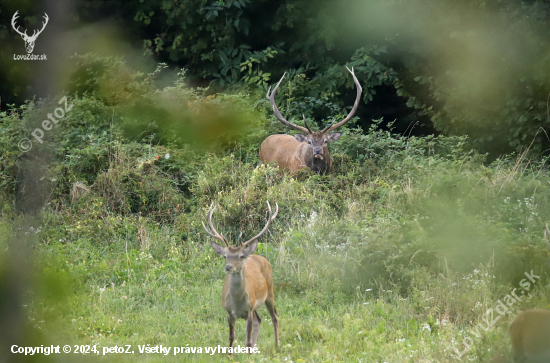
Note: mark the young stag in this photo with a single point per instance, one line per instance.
(530, 331)
(249, 282)
(300, 151)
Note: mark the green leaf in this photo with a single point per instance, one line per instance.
(223, 56)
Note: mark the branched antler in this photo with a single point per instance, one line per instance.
(271, 98)
(213, 233)
(44, 23)
(13, 19)
(332, 127)
(307, 129)
(269, 220)
(35, 34)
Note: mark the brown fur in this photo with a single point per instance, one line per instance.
(530, 335)
(292, 155)
(248, 285)
(249, 282)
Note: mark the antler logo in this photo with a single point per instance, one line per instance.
(29, 40)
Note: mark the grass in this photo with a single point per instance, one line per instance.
(396, 256)
(142, 282)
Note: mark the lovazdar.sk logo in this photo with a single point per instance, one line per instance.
(29, 39)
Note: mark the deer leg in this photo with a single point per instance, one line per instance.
(231, 321)
(256, 328)
(270, 304)
(249, 326)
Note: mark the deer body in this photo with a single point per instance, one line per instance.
(249, 289)
(293, 155)
(530, 335)
(248, 284)
(308, 150)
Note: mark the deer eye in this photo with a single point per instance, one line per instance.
(241, 257)
(309, 142)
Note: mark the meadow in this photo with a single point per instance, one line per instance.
(397, 255)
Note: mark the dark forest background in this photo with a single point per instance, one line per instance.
(478, 68)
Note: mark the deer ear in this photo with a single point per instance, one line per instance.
(334, 136)
(300, 137)
(218, 249)
(251, 248)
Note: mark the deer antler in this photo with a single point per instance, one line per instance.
(35, 34)
(305, 123)
(213, 233)
(271, 98)
(13, 19)
(269, 220)
(332, 127)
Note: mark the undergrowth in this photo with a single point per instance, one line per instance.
(392, 257)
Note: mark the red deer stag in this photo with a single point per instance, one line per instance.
(249, 283)
(530, 331)
(299, 151)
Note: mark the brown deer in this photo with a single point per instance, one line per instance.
(293, 153)
(249, 282)
(530, 331)
(530, 335)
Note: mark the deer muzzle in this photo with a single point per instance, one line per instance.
(318, 152)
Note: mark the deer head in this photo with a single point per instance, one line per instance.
(29, 40)
(235, 257)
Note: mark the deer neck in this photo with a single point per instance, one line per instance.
(237, 284)
(236, 298)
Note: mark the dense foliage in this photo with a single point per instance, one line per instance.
(476, 68)
(407, 231)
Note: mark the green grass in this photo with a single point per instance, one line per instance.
(133, 280)
(395, 256)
